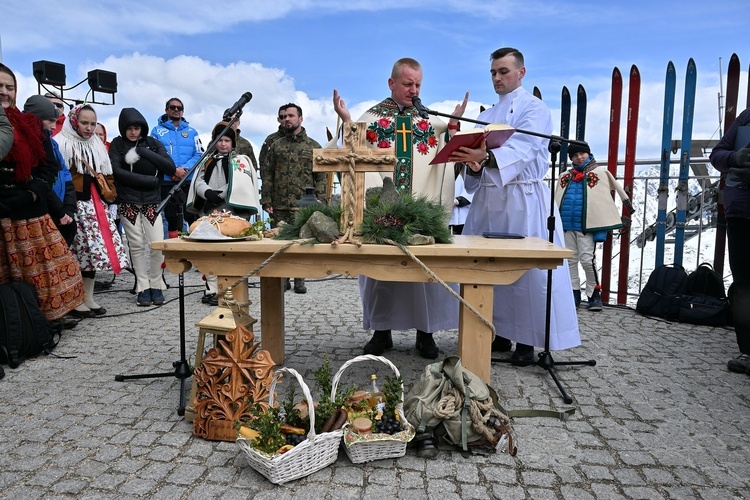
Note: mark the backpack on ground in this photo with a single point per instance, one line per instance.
(458, 408)
(705, 300)
(661, 295)
(706, 281)
(24, 331)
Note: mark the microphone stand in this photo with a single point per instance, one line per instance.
(545, 360)
(182, 369)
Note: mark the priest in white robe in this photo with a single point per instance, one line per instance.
(391, 305)
(511, 196)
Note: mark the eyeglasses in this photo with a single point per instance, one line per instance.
(176, 108)
(59, 105)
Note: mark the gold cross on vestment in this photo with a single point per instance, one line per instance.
(353, 161)
(404, 132)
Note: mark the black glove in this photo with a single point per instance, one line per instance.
(462, 202)
(741, 158)
(625, 223)
(627, 204)
(214, 197)
(741, 174)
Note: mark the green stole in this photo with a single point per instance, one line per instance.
(402, 172)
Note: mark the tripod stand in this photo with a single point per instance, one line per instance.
(545, 360)
(182, 369)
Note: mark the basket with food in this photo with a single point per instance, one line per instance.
(376, 427)
(281, 442)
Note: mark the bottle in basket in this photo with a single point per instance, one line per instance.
(376, 398)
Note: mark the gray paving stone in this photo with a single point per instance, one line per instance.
(665, 422)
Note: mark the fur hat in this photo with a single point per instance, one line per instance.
(41, 107)
(574, 148)
(229, 133)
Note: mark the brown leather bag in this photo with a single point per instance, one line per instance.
(107, 188)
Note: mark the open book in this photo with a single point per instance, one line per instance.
(495, 134)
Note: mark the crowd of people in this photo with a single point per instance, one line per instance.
(56, 163)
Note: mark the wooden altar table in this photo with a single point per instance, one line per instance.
(476, 263)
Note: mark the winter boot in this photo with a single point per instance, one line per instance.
(595, 301)
(380, 341)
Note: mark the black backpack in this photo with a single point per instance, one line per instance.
(24, 331)
(661, 295)
(705, 300)
(706, 281)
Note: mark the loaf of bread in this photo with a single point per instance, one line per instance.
(227, 224)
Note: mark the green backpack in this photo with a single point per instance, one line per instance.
(459, 408)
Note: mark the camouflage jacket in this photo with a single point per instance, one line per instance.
(288, 171)
(267, 144)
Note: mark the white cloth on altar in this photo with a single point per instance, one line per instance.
(514, 198)
(390, 305)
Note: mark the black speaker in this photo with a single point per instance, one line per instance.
(103, 81)
(49, 73)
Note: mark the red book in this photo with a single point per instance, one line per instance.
(495, 134)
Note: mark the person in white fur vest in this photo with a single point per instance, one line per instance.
(587, 211)
(139, 163)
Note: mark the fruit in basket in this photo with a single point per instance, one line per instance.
(388, 425)
(295, 439)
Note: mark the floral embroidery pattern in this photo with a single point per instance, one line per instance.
(592, 179)
(381, 132)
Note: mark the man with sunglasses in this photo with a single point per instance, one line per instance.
(60, 105)
(184, 146)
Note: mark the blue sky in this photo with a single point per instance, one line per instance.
(209, 53)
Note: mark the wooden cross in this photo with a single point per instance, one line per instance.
(354, 160)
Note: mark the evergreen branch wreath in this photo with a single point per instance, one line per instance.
(400, 219)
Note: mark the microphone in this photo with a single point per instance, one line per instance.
(237, 106)
(417, 103)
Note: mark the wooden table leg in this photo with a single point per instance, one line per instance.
(474, 337)
(272, 331)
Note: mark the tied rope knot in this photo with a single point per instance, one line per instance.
(480, 414)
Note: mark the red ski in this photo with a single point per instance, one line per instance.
(634, 95)
(730, 113)
(615, 109)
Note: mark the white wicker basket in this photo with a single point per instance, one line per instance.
(374, 446)
(315, 453)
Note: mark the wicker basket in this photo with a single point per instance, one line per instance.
(315, 453)
(375, 446)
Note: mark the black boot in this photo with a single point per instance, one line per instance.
(380, 341)
(501, 344)
(523, 355)
(426, 345)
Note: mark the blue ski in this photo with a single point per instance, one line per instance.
(564, 127)
(666, 146)
(682, 185)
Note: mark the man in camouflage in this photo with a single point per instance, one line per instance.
(271, 139)
(287, 171)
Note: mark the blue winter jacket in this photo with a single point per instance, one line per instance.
(182, 143)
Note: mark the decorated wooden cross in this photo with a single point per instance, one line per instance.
(354, 160)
